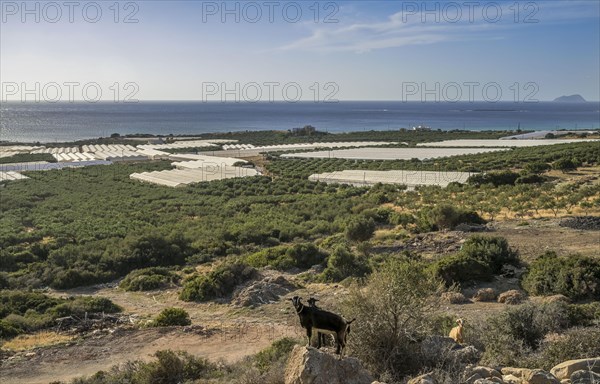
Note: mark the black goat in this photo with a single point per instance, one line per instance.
(320, 336)
(323, 322)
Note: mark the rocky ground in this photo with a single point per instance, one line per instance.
(259, 312)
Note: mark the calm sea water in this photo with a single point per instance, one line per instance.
(46, 122)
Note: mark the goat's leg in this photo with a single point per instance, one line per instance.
(309, 335)
(319, 338)
(338, 343)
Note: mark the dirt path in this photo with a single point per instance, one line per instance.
(89, 355)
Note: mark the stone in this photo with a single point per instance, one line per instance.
(511, 297)
(484, 372)
(485, 294)
(423, 379)
(473, 378)
(585, 377)
(512, 379)
(539, 376)
(520, 373)
(308, 365)
(566, 369)
(454, 298)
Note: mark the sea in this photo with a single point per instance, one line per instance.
(61, 122)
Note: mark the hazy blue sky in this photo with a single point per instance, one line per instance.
(367, 50)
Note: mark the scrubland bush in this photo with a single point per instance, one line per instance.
(447, 217)
(168, 368)
(394, 309)
(575, 276)
(512, 337)
(285, 257)
(172, 316)
(4, 284)
(277, 352)
(460, 268)
(496, 178)
(342, 263)
(147, 279)
(22, 312)
(573, 344)
(218, 283)
(480, 258)
(360, 229)
(492, 250)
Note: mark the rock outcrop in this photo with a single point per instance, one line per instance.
(308, 365)
(423, 379)
(485, 294)
(512, 297)
(565, 370)
(585, 377)
(264, 291)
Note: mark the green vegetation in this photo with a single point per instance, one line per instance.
(479, 259)
(575, 276)
(22, 312)
(402, 135)
(172, 316)
(587, 153)
(517, 337)
(92, 225)
(445, 216)
(147, 279)
(266, 367)
(360, 229)
(342, 263)
(28, 157)
(168, 368)
(285, 257)
(218, 283)
(394, 308)
(277, 352)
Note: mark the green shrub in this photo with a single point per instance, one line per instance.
(576, 343)
(495, 178)
(460, 268)
(148, 279)
(168, 368)
(218, 283)
(342, 263)
(530, 179)
(4, 284)
(172, 316)
(393, 310)
(80, 305)
(584, 315)
(401, 218)
(278, 351)
(446, 216)
(494, 251)
(480, 258)
(537, 167)
(8, 330)
(31, 311)
(564, 165)
(575, 276)
(285, 257)
(360, 229)
(512, 336)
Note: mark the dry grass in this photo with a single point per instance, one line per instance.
(41, 339)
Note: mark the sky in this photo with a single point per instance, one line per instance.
(322, 51)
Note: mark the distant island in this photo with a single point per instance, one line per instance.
(570, 99)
